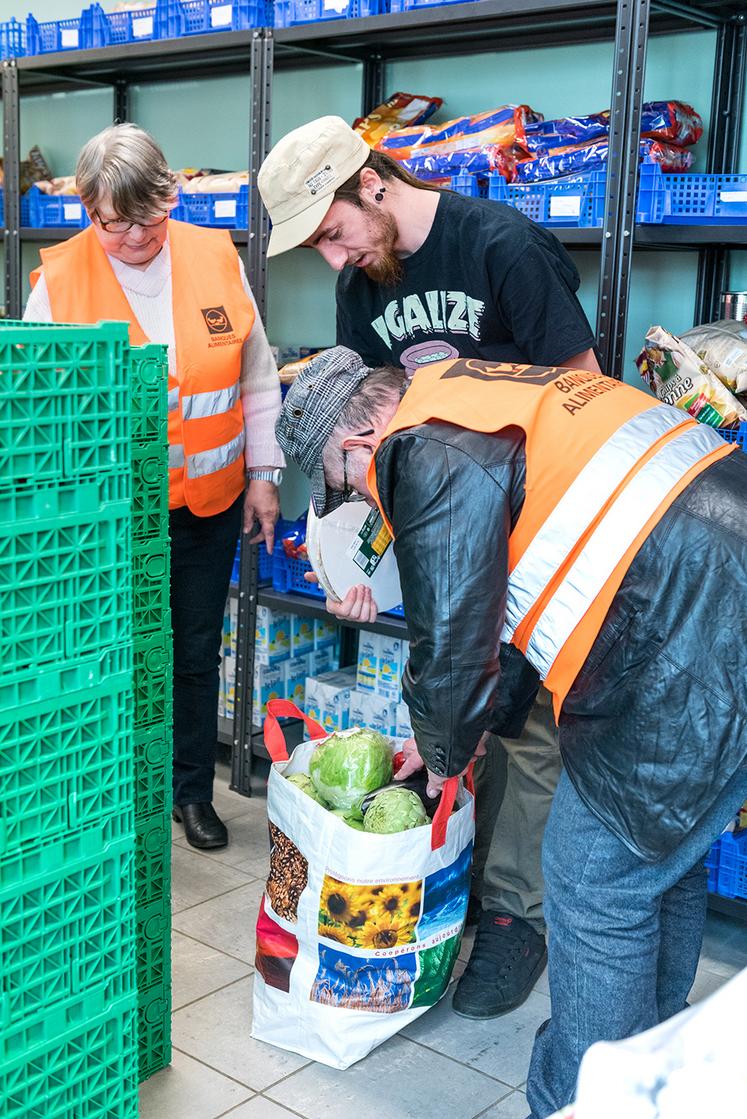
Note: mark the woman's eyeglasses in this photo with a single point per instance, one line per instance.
(348, 493)
(118, 225)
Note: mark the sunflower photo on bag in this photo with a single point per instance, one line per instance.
(379, 916)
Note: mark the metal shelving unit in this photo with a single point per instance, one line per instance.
(469, 29)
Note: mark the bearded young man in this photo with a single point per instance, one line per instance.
(427, 274)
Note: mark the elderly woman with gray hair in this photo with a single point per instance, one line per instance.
(185, 287)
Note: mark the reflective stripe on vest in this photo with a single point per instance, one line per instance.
(202, 404)
(176, 456)
(622, 522)
(208, 462)
(578, 507)
(173, 399)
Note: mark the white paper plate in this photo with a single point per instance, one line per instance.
(331, 543)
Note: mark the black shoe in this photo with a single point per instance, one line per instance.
(507, 959)
(474, 911)
(202, 825)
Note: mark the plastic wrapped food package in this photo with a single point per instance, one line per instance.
(723, 347)
(676, 374)
(592, 156)
(401, 110)
(672, 122)
(440, 150)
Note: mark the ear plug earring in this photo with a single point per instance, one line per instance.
(379, 196)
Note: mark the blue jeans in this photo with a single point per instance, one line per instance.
(624, 936)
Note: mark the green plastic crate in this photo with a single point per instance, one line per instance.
(65, 762)
(150, 491)
(39, 684)
(150, 587)
(154, 943)
(64, 404)
(66, 930)
(153, 766)
(149, 393)
(84, 1069)
(153, 658)
(65, 586)
(152, 861)
(154, 1030)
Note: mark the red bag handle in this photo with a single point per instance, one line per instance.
(445, 805)
(274, 737)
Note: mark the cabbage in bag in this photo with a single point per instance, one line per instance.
(347, 765)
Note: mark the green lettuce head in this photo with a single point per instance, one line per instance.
(306, 785)
(348, 765)
(351, 821)
(395, 810)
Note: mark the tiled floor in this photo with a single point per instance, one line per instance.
(442, 1064)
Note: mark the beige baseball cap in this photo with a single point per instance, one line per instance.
(298, 179)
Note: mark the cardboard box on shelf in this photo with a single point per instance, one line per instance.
(368, 658)
(324, 660)
(402, 721)
(328, 699)
(295, 671)
(389, 667)
(269, 683)
(373, 711)
(272, 636)
(301, 635)
(325, 633)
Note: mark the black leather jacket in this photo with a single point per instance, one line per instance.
(656, 721)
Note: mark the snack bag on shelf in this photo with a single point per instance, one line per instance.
(673, 122)
(593, 156)
(723, 347)
(439, 151)
(401, 110)
(679, 377)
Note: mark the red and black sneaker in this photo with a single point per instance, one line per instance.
(507, 959)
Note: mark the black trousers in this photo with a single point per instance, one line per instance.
(202, 553)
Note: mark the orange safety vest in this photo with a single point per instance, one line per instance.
(213, 317)
(604, 461)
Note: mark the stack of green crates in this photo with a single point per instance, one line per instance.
(153, 703)
(68, 1000)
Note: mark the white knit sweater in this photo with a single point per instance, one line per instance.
(148, 292)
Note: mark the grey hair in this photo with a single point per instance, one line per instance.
(124, 164)
(380, 388)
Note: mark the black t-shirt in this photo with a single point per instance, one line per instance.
(486, 281)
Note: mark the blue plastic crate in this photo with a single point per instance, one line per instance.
(176, 19)
(576, 201)
(397, 611)
(47, 211)
(227, 210)
(711, 865)
(53, 36)
(105, 29)
(410, 5)
(691, 199)
(736, 435)
(732, 866)
(12, 39)
(288, 575)
(288, 13)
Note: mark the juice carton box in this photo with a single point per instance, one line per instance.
(402, 721)
(295, 670)
(324, 660)
(269, 683)
(373, 711)
(301, 635)
(328, 700)
(389, 667)
(368, 651)
(273, 634)
(325, 633)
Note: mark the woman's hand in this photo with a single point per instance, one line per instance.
(358, 605)
(261, 503)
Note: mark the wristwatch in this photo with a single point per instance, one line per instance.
(275, 476)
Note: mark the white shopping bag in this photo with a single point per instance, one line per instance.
(357, 933)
